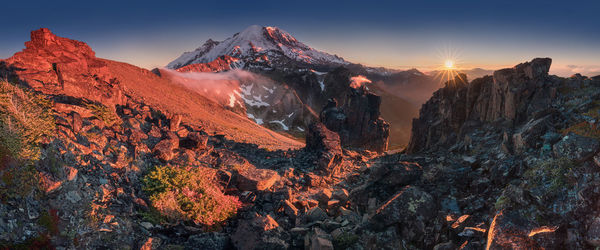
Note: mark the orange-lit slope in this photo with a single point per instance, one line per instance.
(175, 98)
(56, 65)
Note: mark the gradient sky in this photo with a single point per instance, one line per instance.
(395, 34)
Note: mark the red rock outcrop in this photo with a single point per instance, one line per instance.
(56, 65)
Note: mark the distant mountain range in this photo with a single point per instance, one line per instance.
(471, 73)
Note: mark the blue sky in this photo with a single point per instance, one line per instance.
(489, 34)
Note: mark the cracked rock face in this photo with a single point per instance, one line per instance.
(56, 65)
(358, 121)
(513, 95)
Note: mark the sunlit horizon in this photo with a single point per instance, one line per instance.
(394, 35)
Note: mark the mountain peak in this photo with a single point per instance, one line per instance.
(44, 39)
(263, 44)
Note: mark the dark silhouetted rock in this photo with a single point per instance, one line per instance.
(319, 138)
(357, 121)
(593, 233)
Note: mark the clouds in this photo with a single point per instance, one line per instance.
(571, 69)
(358, 81)
(222, 87)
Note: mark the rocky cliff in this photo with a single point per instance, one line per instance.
(519, 152)
(511, 96)
(357, 121)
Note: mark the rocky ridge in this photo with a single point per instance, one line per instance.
(503, 161)
(521, 145)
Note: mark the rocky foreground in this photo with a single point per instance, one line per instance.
(504, 161)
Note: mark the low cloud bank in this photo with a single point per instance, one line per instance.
(222, 87)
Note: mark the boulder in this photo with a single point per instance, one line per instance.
(290, 210)
(318, 243)
(509, 231)
(326, 144)
(341, 194)
(75, 121)
(195, 141)
(151, 243)
(529, 134)
(320, 240)
(316, 214)
(256, 179)
(445, 246)
(324, 195)
(164, 149)
(388, 239)
(174, 123)
(549, 237)
(321, 139)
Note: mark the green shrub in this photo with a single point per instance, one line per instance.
(188, 195)
(25, 119)
(104, 113)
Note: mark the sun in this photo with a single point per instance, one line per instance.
(450, 60)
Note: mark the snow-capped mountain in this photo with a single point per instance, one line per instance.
(258, 44)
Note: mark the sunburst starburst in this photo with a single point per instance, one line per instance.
(448, 69)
